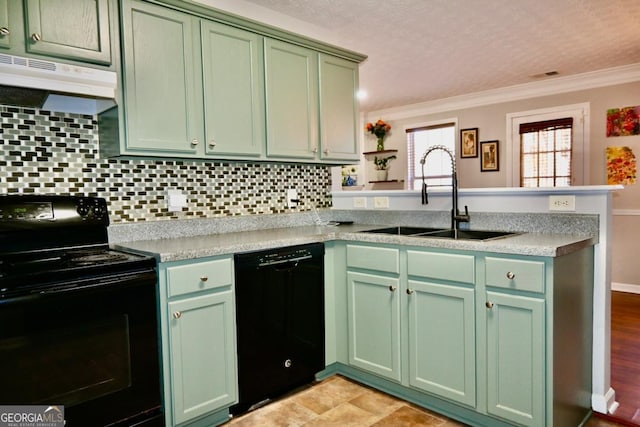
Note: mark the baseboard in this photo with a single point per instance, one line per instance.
(625, 287)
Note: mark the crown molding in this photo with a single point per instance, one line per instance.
(593, 79)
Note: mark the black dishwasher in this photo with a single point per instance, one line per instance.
(280, 321)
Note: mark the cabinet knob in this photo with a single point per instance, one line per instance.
(4, 31)
(36, 37)
(204, 278)
(177, 315)
(195, 142)
(510, 275)
(392, 288)
(409, 291)
(488, 304)
(212, 143)
(315, 150)
(326, 151)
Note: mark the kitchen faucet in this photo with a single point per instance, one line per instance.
(456, 218)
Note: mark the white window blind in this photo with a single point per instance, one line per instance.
(546, 153)
(438, 166)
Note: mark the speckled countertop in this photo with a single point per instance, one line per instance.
(182, 248)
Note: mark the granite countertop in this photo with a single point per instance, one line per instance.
(183, 248)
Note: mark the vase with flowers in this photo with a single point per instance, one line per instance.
(382, 167)
(380, 129)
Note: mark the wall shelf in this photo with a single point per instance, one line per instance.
(366, 153)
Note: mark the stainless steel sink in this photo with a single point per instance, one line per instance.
(469, 234)
(442, 233)
(403, 231)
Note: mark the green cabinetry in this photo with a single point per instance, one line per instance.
(495, 339)
(197, 87)
(197, 312)
(76, 30)
(442, 339)
(163, 106)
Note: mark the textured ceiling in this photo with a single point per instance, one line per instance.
(421, 50)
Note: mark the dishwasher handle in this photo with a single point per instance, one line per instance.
(284, 261)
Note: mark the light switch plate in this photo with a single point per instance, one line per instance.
(359, 202)
(381, 202)
(292, 194)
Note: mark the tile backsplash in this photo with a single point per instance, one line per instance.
(58, 153)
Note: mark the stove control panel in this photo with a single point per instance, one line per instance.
(53, 209)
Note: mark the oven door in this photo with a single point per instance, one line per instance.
(91, 346)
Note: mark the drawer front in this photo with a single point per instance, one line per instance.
(373, 258)
(199, 276)
(517, 274)
(454, 267)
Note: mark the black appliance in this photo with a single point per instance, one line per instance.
(280, 321)
(78, 320)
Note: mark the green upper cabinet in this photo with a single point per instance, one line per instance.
(5, 27)
(233, 91)
(70, 29)
(291, 81)
(161, 81)
(338, 108)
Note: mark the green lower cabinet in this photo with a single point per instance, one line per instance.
(202, 350)
(198, 340)
(374, 323)
(515, 358)
(442, 341)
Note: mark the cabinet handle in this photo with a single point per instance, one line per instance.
(392, 288)
(409, 291)
(195, 142)
(488, 304)
(204, 278)
(510, 275)
(36, 37)
(177, 315)
(4, 31)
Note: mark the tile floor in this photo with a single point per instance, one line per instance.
(338, 401)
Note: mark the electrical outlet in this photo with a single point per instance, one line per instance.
(292, 198)
(381, 202)
(359, 202)
(562, 203)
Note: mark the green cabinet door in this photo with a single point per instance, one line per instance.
(515, 358)
(291, 86)
(338, 109)
(442, 357)
(71, 29)
(374, 323)
(161, 66)
(5, 27)
(233, 91)
(203, 349)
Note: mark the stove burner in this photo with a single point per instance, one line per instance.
(98, 258)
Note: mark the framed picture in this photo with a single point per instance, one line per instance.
(469, 142)
(489, 159)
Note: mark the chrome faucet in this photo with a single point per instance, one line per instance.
(456, 217)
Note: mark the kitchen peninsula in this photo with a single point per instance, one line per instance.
(558, 256)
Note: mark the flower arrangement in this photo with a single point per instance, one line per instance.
(380, 129)
(382, 163)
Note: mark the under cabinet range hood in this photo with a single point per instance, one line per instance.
(65, 88)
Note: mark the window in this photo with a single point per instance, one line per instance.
(578, 162)
(438, 166)
(545, 153)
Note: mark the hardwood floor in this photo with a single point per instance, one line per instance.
(625, 355)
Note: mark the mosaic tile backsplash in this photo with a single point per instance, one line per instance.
(57, 153)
